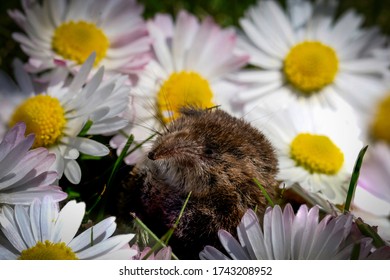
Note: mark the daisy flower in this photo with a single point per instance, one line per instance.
(316, 147)
(64, 33)
(374, 120)
(43, 232)
(372, 196)
(304, 54)
(25, 174)
(58, 114)
(286, 236)
(191, 61)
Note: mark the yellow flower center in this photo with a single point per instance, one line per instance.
(183, 89)
(310, 66)
(316, 153)
(380, 128)
(77, 40)
(43, 116)
(48, 251)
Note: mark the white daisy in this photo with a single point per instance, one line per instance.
(25, 174)
(316, 147)
(43, 232)
(374, 119)
(191, 60)
(372, 197)
(64, 33)
(57, 115)
(286, 236)
(305, 54)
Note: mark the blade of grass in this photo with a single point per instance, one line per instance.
(367, 230)
(354, 179)
(114, 170)
(265, 193)
(119, 160)
(172, 229)
(165, 238)
(85, 129)
(151, 234)
(140, 144)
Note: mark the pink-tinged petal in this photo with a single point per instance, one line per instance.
(231, 245)
(12, 138)
(11, 159)
(211, 253)
(164, 254)
(251, 236)
(25, 196)
(375, 172)
(278, 234)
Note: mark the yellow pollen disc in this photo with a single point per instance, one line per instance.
(316, 153)
(43, 116)
(183, 89)
(77, 40)
(310, 66)
(380, 128)
(48, 251)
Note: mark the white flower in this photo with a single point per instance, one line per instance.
(191, 61)
(316, 147)
(374, 119)
(62, 34)
(25, 174)
(286, 236)
(304, 54)
(58, 114)
(44, 232)
(372, 196)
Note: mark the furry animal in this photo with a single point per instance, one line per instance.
(216, 157)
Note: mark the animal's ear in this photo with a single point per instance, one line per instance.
(196, 111)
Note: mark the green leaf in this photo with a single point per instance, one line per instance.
(354, 179)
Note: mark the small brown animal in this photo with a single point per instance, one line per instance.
(216, 157)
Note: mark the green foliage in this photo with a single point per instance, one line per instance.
(354, 179)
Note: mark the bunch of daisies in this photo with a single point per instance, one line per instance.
(101, 82)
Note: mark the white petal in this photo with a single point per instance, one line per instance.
(72, 171)
(89, 147)
(68, 222)
(107, 246)
(96, 234)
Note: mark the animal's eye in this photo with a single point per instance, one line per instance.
(209, 151)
